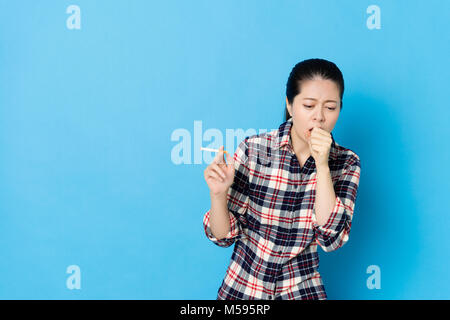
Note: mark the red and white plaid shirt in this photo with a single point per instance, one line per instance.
(272, 218)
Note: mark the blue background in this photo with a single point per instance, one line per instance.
(86, 118)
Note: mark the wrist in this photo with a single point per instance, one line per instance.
(324, 168)
(219, 195)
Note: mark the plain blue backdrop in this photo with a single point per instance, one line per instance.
(87, 174)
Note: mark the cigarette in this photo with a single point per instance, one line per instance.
(212, 150)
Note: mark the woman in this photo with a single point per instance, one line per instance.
(284, 193)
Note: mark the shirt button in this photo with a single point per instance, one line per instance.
(270, 297)
(280, 252)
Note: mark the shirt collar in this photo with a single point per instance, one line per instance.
(283, 139)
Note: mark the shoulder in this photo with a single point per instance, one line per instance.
(264, 139)
(346, 157)
(258, 145)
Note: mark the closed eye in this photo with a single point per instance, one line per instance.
(309, 107)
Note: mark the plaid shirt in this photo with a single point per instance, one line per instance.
(272, 218)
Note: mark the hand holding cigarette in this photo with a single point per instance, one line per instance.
(219, 175)
(212, 150)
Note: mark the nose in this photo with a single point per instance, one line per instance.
(318, 115)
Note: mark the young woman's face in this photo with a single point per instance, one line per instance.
(317, 105)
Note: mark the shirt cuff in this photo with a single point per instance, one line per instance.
(229, 239)
(335, 222)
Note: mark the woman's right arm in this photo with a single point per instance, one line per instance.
(225, 222)
(219, 215)
(219, 176)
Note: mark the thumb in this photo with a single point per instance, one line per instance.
(230, 161)
(221, 155)
(307, 135)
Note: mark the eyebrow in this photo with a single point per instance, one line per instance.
(316, 100)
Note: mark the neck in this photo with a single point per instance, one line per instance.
(300, 146)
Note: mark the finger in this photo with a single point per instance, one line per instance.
(216, 158)
(219, 170)
(230, 160)
(317, 133)
(215, 175)
(218, 176)
(220, 155)
(322, 139)
(229, 168)
(320, 133)
(318, 148)
(319, 141)
(307, 135)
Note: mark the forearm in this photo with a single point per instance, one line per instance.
(219, 217)
(325, 195)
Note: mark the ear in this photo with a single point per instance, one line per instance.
(288, 106)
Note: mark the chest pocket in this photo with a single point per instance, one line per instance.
(264, 157)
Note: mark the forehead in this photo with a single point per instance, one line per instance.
(319, 89)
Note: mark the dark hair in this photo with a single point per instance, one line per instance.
(308, 70)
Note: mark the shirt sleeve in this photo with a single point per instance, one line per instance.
(237, 201)
(335, 232)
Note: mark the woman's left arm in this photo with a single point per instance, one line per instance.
(325, 195)
(334, 205)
